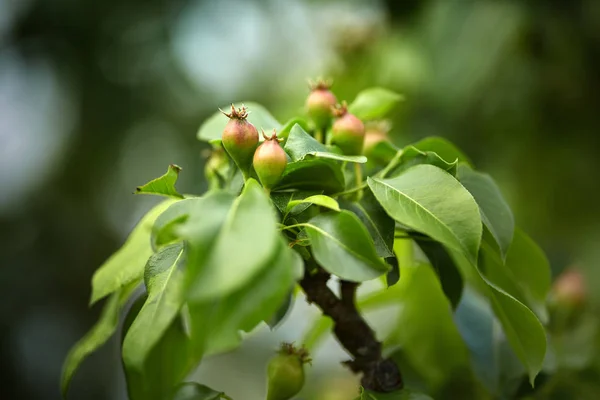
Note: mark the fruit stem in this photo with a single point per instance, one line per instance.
(358, 179)
(319, 135)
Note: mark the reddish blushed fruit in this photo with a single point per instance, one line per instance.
(348, 132)
(240, 138)
(569, 289)
(319, 104)
(285, 373)
(269, 161)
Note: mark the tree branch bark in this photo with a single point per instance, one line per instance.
(353, 332)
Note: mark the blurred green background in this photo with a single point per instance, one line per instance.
(97, 97)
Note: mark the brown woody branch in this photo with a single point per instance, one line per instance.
(353, 332)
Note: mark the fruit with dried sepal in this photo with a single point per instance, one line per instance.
(319, 103)
(347, 132)
(240, 138)
(285, 372)
(269, 161)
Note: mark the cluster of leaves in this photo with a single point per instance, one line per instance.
(434, 231)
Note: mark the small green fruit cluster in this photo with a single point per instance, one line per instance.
(240, 139)
(347, 132)
(285, 372)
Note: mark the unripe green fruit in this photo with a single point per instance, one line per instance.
(240, 138)
(348, 132)
(285, 373)
(269, 161)
(319, 104)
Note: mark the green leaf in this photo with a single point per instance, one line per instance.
(443, 148)
(212, 129)
(196, 391)
(164, 185)
(424, 316)
(287, 127)
(319, 200)
(169, 362)
(378, 223)
(313, 174)
(404, 394)
(127, 264)
(431, 201)
(525, 275)
(234, 258)
(523, 330)
(529, 265)
(444, 266)
(374, 103)
(341, 245)
(164, 285)
(282, 199)
(191, 213)
(301, 145)
(495, 212)
(216, 324)
(282, 311)
(412, 156)
(494, 363)
(97, 336)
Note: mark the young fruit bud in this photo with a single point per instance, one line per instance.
(319, 104)
(240, 138)
(375, 133)
(569, 289)
(285, 372)
(348, 132)
(269, 161)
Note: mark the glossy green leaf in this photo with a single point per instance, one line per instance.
(169, 362)
(164, 185)
(127, 264)
(216, 324)
(313, 174)
(404, 394)
(383, 152)
(212, 128)
(443, 148)
(196, 391)
(431, 201)
(301, 145)
(282, 199)
(207, 212)
(522, 328)
(378, 223)
(525, 274)
(495, 212)
(475, 321)
(164, 286)
(374, 103)
(444, 266)
(342, 245)
(283, 311)
(287, 127)
(104, 328)
(319, 200)
(423, 317)
(412, 156)
(234, 258)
